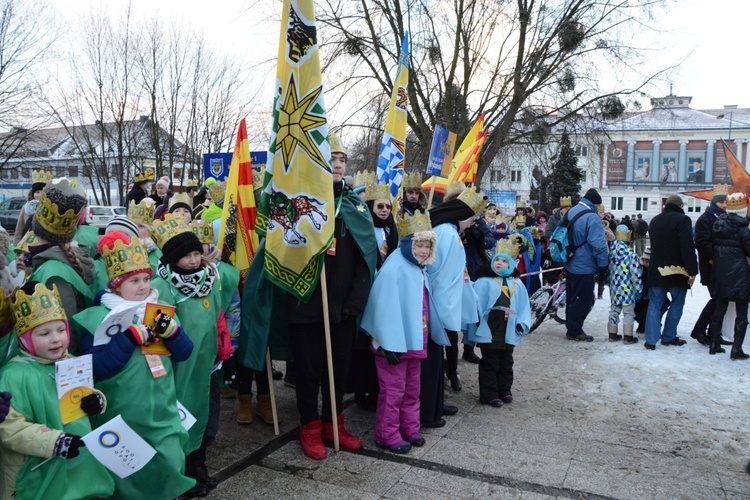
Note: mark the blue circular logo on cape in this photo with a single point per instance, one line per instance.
(113, 330)
(182, 413)
(109, 439)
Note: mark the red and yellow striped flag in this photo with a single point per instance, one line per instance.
(466, 159)
(238, 240)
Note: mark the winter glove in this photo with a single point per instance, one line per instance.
(165, 327)
(93, 404)
(523, 248)
(473, 233)
(392, 358)
(4, 405)
(139, 335)
(67, 446)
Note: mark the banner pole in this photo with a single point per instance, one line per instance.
(432, 191)
(269, 369)
(329, 356)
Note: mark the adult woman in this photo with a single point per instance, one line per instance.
(39, 179)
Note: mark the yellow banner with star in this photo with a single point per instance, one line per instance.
(297, 209)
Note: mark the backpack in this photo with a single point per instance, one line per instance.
(642, 228)
(561, 246)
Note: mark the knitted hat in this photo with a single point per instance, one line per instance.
(593, 196)
(122, 224)
(164, 181)
(180, 200)
(123, 257)
(674, 200)
(179, 246)
(60, 207)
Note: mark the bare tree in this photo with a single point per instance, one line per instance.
(529, 65)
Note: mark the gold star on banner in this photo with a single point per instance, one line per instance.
(295, 121)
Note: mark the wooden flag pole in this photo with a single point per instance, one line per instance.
(329, 356)
(269, 369)
(432, 191)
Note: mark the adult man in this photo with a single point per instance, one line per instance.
(704, 244)
(640, 227)
(671, 247)
(140, 186)
(587, 233)
(414, 198)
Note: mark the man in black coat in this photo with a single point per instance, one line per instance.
(704, 245)
(140, 186)
(671, 245)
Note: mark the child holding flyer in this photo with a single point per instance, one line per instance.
(134, 367)
(504, 318)
(398, 318)
(33, 431)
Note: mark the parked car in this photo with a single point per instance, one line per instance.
(10, 209)
(99, 216)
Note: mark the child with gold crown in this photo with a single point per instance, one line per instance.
(134, 366)
(40, 456)
(399, 326)
(505, 317)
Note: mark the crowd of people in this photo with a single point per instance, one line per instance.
(406, 284)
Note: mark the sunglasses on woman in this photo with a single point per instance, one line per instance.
(381, 206)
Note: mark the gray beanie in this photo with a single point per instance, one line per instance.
(124, 225)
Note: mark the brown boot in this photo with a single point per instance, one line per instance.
(309, 438)
(264, 408)
(627, 335)
(346, 440)
(245, 410)
(612, 330)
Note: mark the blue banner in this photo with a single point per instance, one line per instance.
(441, 152)
(216, 165)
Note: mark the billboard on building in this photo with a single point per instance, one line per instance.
(505, 201)
(671, 163)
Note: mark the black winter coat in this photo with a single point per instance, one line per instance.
(135, 194)
(671, 245)
(731, 247)
(704, 241)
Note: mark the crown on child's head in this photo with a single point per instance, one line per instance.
(143, 212)
(204, 231)
(491, 212)
(476, 200)
(566, 201)
(56, 196)
(167, 229)
(502, 223)
(181, 198)
(622, 233)
(29, 240)
(191, 183)
(508, 246)
(123, 258)
(217, 191)
(41, 176)
(410, 224)
(40, 307)
(411, 181)
(146, 174)
(721, 189)
(536, 233)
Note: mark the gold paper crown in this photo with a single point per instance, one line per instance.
(411, 181)
(6, 309)
(601, 208)
(502, 221)
(218, 191)
(365, 178)
(31, 311)
(475, 199)
(536, 233)
(125, 258)
(47, 214)
(378, 191)
(492, 212)
(336, 145)
(736, 201)
(204, 231)
(671, 270)
(258, 176)
(520, 204)
(566, 201)
(454, 189)
(410, 224)
(143, 212)
(167, 229)
(721, 189)
(191, 183)
(147, 174)
(508, 246)
(622, 234)
(29, 240)
(38, 176)
(181, 198)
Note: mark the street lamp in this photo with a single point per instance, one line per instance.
(729, 140)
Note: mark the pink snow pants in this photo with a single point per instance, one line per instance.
(397, 416)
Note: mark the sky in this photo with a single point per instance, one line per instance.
(705, 38)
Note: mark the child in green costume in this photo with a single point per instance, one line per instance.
(186, 280)
(33, 430)
(139, 384)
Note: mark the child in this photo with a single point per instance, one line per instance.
(504, 317)
(143, 215)
(193, 286)
(624, 286)
(139, 386)
(33, 430)
(399, 327)
(181, 205)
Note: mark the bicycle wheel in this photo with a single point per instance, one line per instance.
(558, 309)
(538, 305)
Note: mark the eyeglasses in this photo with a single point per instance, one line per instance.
(381, 206)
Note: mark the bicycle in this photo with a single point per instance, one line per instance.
(548, 300)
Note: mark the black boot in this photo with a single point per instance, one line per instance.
(739, 338)
(469, 355)
(451, 361)
(714, 336)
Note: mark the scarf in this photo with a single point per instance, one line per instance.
(192, 285)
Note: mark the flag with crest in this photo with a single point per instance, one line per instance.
(393, 147)
(238, 240)
(296, 214)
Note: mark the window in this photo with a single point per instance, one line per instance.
(584, 173)
(73, 171)
(582, 151)
(616, 203)
(495, 176)
(14, 173)
(177, 173)
(694, 205)
(515, 176)
(641, 204)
